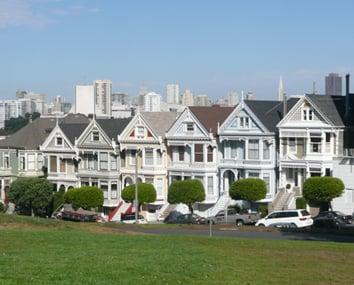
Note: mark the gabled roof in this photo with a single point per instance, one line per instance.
(331, 106)
(211, 117)
(73, 131)
(34, 134)
(113, 127)
(160, 122)
(270, 112)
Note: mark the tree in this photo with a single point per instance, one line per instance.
(146, 193)
(186, 192)
(14, 124)
(249, 189)
(86, 197)
(31, 195)
(320, 191)
(58, 199)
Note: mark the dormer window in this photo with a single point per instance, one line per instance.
(244, 122)
(59, 141)
(95, 136)
(140, 132)
(190, 127)
(307, 114)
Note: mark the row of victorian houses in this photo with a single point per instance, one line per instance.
(283, 143)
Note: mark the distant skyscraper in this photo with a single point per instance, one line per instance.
(152, 102)
(281, 90)
(172, 91)
(142, 92)
(103, 92)
(202, 100)
(84, 99)
(120, 99)
(333, 84)
(187, 98)
(232, 98)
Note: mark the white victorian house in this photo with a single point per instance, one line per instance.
(193, 149)
(248, 144)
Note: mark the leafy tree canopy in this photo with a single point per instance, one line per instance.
(146, 193)
(249, 189)
(86, 197)
(322, 189)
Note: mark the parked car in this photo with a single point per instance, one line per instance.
(67, 212)
(289, 218)
(329, 220)
(172, 217)
(188, 219)
(130, 219)
(233, 217)
(347, 218)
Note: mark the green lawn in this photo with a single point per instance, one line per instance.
(49, 252)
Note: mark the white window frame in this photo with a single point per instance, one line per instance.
(95, 136)
(56, 141)
(104, 163)
(210, 185)
(250, 142)
(114, 193)
(151, 162)
(190, 127)
(140, 132)
(31, 163)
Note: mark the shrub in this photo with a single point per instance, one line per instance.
(186, 192)
(146, 193)
(263, 209)
(301, 203)
(249, 189)
(58, 199)
(86, 197)
(31, 195)
(322, 190)
(2, 208)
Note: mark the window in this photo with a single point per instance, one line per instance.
(307, 114)
(198, 153)
(159, 187)
(40, 161)
(210, 185)
(266, 150)
(104, 187)
(304, 113)
(114, 190)
(292, 145)
(62, 165)
(315, 144)
(181, 153)
(113, 162)
(266, 179)
(53, 164)
(328, 172)
(104, 161)
(190, 127)
(310, 115)
(22, 162)
(241, 122)
(158, 157)
(95, 136)
(246, 123)
(328, 137)
(59, 141)
(210, 153)
(31, 162)
(7, 161)
(140, 132)
(253, 175)
(233, 149)
(149, 156)
(132, 157)
(253, 149)
(91, 162)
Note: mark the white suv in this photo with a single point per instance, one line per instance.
(289, 218)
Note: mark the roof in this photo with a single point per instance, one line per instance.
(270, 112)
(333, 107)
(160, 122)
(34, 134)
(212, 116)
(73, 131)
(113, 127)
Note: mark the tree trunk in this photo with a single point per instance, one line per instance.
(190, 206)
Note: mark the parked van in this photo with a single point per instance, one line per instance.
(289, 218)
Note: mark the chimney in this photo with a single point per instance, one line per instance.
(285, 105)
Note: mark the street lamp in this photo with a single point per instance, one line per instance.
(136, 201)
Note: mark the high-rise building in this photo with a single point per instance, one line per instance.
(120, 99)
(103, 92)
(172, 91)
(187, 98)
(250, 96)
(142, 92)
(84, 99)
(152, 102)
(281, 90)
(232, 98)
(202, 100)
(333, 84)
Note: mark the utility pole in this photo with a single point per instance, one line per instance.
(136, 202)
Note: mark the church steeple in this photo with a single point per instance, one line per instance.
(281, 90)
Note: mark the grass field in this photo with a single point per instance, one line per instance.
(35, 251)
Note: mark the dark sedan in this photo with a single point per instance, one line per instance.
(347, 218)
(187, 219)
(329, 220)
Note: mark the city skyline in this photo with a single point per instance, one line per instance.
(56, 41)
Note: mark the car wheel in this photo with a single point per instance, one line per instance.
(292, 225)
(239, 223)
(261, 225)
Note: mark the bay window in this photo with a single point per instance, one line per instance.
(253, 149)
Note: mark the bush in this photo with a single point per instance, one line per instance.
(263, 209)
(322, 190)
(31, 195)
(2, 208)
(86, 197)
(301, 203)
(249, 189)
(58, 199)
(146, 193)
(186, 192)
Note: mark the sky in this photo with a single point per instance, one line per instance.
(210, 47)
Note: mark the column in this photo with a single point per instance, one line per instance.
(246, 148)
